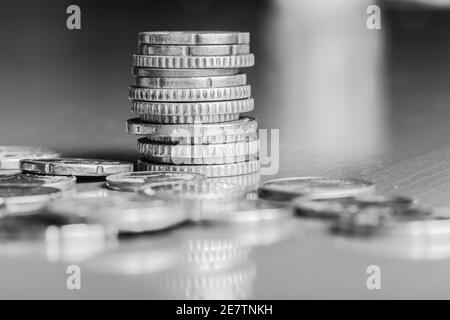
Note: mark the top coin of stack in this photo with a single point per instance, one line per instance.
(183, 79)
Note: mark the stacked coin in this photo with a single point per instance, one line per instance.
(189, 93)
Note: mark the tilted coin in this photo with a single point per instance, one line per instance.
(187, 109)
(36, 180)
(178, 73)
(214, 118)
(128, 213)
(194, 62)
(194, 37)
(134, 180)
(208, 133)
(202, 94)
(199, 154)
(216, 170)
(18, 200)
(192, 82)
(194, 50)
(75, 167)
(286, 189)
(8, 173)
(193, 190)
(244, 211)
(333, 208)
(10, 156)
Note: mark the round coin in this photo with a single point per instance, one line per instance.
(179, 73)
(134, 180)
(192, 109)
(192, 82)
(128, 213)
(194, 37)
(193, 190)
(199, 154)
(194, 62)
(216, 170)
(194, 50)
(287, 189)
(21, 200)
(214, 118)
(10, 156)
(180, 95)
(208, 133)
(35, 180)
(75, 167)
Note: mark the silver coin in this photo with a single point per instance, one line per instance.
(199, 154)
(333, 208)
(193, 108)
(244, 211)
(8, 173)
(10, 156)
(192, 82)
(215, 118)
(194, 50)
(128, 213)
(179, 73)
(193, 190)
(286, 189)
(36, 180)
(134, 180)
(194, 37)
(204, 133)
(23, 200)
(75, 167)
(191, 95)
(216, 170)
(194, 62)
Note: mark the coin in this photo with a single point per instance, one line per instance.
(207, 133)
(189, 119)
(193, 108)
(194, 62)
(194, 37)
(244, 211)
(10, 156)
(75, 167)
(194, 50)
(286, 189)
(18, 200)
(182, 95)
(193, 190)
(216, 170)
(128, 213)
(35, 180)
(161, 72)
(333, 208)
(192, 82)
(134, 180)
(249, 182)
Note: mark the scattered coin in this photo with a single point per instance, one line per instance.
(134, 180)
(287, 189)
(35, 180)
(192, 82)
(10, 156)
(216, 170)
(23, 200)
(194, 50)
(75, 167)
(194, 37)
(128, 213)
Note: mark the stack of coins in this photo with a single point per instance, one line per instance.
(189, 93)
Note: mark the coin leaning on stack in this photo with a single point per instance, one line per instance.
(189, 93)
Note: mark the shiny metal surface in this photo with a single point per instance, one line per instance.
(348, 102)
